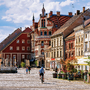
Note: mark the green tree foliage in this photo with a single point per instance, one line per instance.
(22, 64)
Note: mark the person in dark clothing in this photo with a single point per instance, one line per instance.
(56, 70)
(29, 68)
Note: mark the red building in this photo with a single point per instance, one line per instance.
(17, 46)
(70, 46)
(42, 31)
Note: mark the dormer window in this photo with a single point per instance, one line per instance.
(43, 23)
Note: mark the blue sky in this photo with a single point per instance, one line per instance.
(18, 13)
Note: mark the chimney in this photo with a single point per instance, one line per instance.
(83, 9)
(50, 14)
(78, 12)
(70, 13)
(58, 13)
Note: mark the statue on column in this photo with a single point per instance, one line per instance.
(10, 62)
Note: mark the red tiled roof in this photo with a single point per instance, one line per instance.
(87, 22)
(10, 38)
(59, 20)
(27, 30)
(66, 25)
(70, 36)
(69, 23)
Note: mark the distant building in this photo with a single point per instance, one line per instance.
(17, 46)
(42, 30)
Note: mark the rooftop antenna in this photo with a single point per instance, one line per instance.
(73, 8)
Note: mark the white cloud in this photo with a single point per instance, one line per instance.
(67, 2)
(5, 31)
(88, 5)
(20, 11)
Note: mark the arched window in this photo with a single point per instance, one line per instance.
(42, 52)
(45, 33)
(49, 32)
(42, 43)
(43, 23)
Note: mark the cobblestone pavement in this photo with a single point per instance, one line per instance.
(23, 81)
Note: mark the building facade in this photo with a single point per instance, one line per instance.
(66, 30)
(70, 46)
(42, 30)
(48, 58)
(16, 47)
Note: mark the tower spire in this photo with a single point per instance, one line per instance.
(33, 17)
(43, 10)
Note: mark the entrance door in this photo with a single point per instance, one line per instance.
(43, 63)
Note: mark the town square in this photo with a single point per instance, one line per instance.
(45, 45)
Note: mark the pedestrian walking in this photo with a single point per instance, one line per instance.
(29, 68)
(26, 70)
(56, 70)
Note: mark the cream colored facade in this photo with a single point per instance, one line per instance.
(79, 39)
(57, 49)
(48, 58)
(81, 47)
(87, 41)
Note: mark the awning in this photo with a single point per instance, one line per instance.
(82, 61)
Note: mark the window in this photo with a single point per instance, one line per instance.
(23, 41)
(52, 43)
(28, 48)
(60, 42)
(43, 23)
(7, 56)
(17, 41)
(42, 53)
(54, 54)
(28, 56)
(60, 53)
(82, 39)
(11, 48)
(79, 51)
(76, 41)
(23, 56)
(57, 53)
(46, 54)
(86, 46)
(23, 48)
(28, 41)
(49, 32)
(45, 33)
(28, 35)
(69, 55)
(82, 52)
(85, 35)
(49, 43)
(42, 43)
(79, 39)
(41, 32)
(17, 48)
(69, 45)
